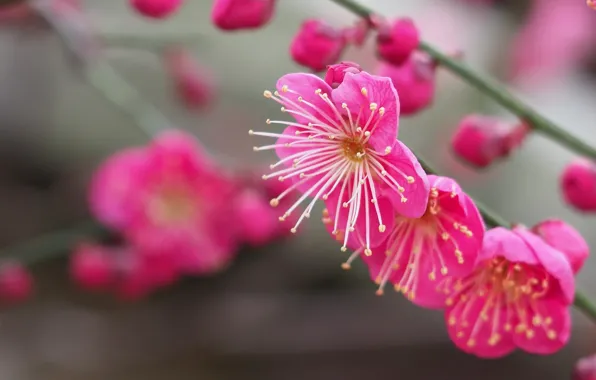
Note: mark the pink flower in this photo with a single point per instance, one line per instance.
(242, 14)
(342, 149)
(591, 3)
(396, 42)
(194, 86)
(16, 283)
(480, 140)
(585, 368)
(554, 40)
(414, 81)
(518, 296)
(169, 198)
(156, 8)
(91, 267)
(336, 73)
(419, 252)
(566, 239)
(578, 185)
(317, 45)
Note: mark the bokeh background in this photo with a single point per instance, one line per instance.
(287, 311)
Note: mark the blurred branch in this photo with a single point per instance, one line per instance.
(493, 89)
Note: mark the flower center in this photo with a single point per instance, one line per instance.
(353, 149)
(170, 206)
(516, 280)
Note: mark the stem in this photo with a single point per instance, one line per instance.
(493, 89)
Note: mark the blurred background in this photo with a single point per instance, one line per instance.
(287, 311)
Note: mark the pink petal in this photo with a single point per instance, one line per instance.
(472, 334)
(549, 339)
(112, 184)
(402, 159)
(553, 261)
(500, 241)
(291, 87)
(378, 90)
(428, 294)
(564, 238)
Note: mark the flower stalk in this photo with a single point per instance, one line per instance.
(494, 90)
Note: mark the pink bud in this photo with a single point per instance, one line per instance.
(578, 185)
(414, 81)
(90, 267)
(591, 4)
(317, 45)
(242, 14)
(566, 239)
(257, 220)
(480, 140)
(585, 368)
(16, 283)
(193, 85)
(336, 73)
(156, 8)
(396, 43)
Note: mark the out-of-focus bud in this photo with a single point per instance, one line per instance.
(91, 268)
(158, 9)
(16, 283)
(242, 14)
(585, 368)
(317, 45)
(414, 81)
(397, 41)
(193, 85)
(591, 4)
(480, 140)
(578, 185)
(566, 239)
(336, 73)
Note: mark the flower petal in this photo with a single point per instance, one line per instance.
(360, 91)
(500, 241)
(563, 237)
(399, 164)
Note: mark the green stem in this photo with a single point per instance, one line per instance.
(495, 90)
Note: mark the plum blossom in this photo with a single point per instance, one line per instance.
(336, 73)
(91, 267)
(578, 184)
(169, 199)
(397, 41)
(156, 8)
(194, 85)
(16, 283)
(317, 44)
(242, 14)
(585, 368)
(518, 296)
(414, 81)
(419, 252)
(342, 149)
(563, 237)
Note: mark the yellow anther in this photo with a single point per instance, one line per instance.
(367, 252)
(410, 179)
(274, 202)
(363, 91)
(267, 94)
(373, 106)
(382, 228)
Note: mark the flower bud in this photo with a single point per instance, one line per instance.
(91, 268)
(480, 140)
(16, 283)
(241, 14)
(585, 368)
(396, 42)
(317, 45)
(336, 73)
(414, 82)
(158, 9)
(566, 239)
(193, 86)
(578, 185)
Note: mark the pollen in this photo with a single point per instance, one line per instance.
(410, 179)
(274, 202)
(364, 91)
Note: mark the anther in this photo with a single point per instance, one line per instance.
(444, 271)
(404, 200)
(284, 88)
(344, 106)
(388, 150)
(363, 91)
(379, 292)
(367, 133)
(432, 276)
(293, 230)
(367, 252)
(318, 91)
(254, 148)
(300, 99)
(346, 266)
(453, 194)
(445, 236)
(410, 179)
(471, 343)
(399, 188)
(343, 249)
(267, 94)
(382, 111)
(283, 109)
(382, 228)
(551, 334)
(373, 106)
(274, 202)
(251, 132)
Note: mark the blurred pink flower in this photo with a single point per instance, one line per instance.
(169, 199)
(397, 41)
(336, 73)
(158, 9)
(420, 251)
(518, 296)
(242, 14)
(578, 185)
(556, 36)
(480, 140)
(317, 45)
(591, 4)
(342, 149)
(565, 238)
(16, 283)
(414, 81)
(91, 267)
(585, 368)
(194, 86)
